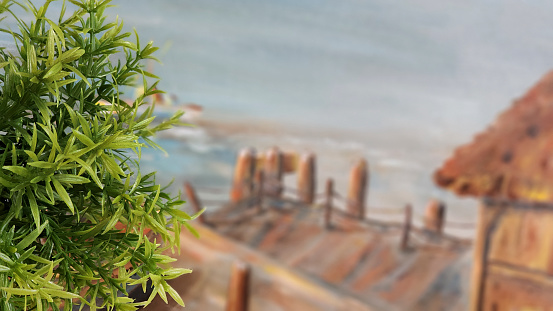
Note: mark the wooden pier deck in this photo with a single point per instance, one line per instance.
(299, 264)
(301, 254)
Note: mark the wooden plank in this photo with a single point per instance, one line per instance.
(517, 272)
(353, 256)
(322, 256)
(295, 242)
(215, 253)
(506, 289)
(291, 236)
(449, 290)
(347, 261)
(486, 213)
(305, 247)
(505, 239)
(381, 263)
(407, 284)
(524, 237)
(280, 228)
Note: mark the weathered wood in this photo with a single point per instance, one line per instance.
(486, 215)
(329, 192)
(434, 216)
(358, 181)
(299, 265)
(509, 289)
(513, 255)
(290, 162)
(307, 179)
(274, 166)
(273, 286)
(238, 289)
(524, 237)
(406, 229)
(194, 200)
(415, 282)
(242, 183)
(260, 187)
(359, 258)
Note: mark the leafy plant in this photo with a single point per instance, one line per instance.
(74, 206)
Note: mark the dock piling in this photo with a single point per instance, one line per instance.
(434, 217)
(406, 229)
(357, 193)
(274, 167)
(260, 184)
(306, 178)
(238, 289)
(328, 204)
(242, 182)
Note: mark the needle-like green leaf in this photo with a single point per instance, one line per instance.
(76, 204)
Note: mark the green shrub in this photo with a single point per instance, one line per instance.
(70, 166)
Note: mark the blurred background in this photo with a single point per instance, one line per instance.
(398, 83)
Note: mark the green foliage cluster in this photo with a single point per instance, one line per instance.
(70, 177)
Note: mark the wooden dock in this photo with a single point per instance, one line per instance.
(269, 251)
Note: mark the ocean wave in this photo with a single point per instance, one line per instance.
(185, 132)
(395, 163)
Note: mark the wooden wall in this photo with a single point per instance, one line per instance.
(513, 268)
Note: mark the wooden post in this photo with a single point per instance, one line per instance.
(289, 162)
(434, 217)
(487, 212)
(274, 166)
(238, 289)
(242, 183)
(328, 206)
(406, 230)
(306, 179)
(358, 181)
(194, 200)
(260, 182)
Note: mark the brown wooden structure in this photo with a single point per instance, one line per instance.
(307, 179)
(274, 171)
(239, 287)
(434, 216)
(244, 171)
(358, 182)
(318, 255)
(511, 167)
(298, 264)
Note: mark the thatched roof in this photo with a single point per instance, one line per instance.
(513, 158)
